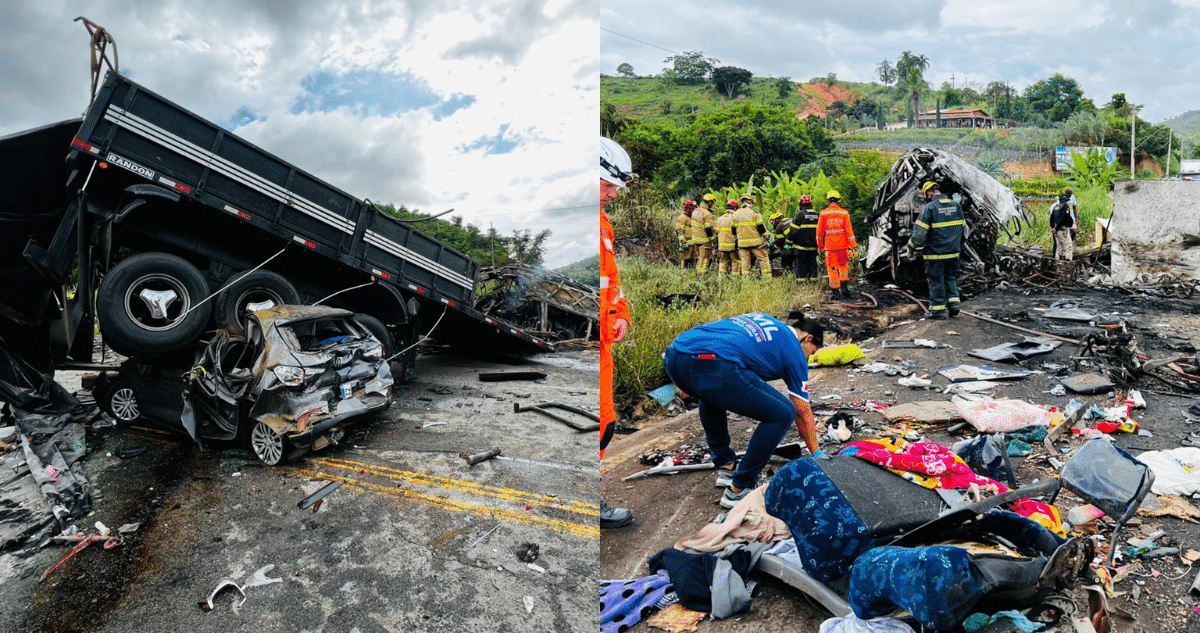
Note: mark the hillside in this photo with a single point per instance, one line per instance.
(585, 271)
(1186, 124)
(648, 99)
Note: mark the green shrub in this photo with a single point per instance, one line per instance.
(639, 357)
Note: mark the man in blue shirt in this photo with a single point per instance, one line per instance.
(726, 365)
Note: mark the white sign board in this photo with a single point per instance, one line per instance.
(1062, 155)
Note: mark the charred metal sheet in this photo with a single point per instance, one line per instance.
(988, 206)
(544, 303)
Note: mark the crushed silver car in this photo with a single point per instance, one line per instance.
(289, 384)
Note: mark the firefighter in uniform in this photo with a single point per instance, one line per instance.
(727, 256)
(937, 233)
(702, 233)
(801, 236)
(752, 245)
(779, 245)
(616, 170)
(683, 230)
(835, 236)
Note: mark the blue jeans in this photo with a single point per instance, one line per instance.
(723, 386)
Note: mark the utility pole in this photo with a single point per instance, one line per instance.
(1133, 143)
(1170, 137)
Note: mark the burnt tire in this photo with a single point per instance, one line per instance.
(379, 331)
(150, 303)
(260, 286)
(119, 399)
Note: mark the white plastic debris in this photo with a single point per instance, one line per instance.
(924, 342)
(128, 528)
(260, 577)
(536, 568)
(915, 382)
(1058, 390)
(102, 529)
(529, 604)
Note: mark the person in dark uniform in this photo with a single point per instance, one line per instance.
(937, 234)
(801, 235)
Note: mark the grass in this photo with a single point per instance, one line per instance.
(1093, 203)
(639, 357)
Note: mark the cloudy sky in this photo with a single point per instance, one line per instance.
(486, 107)
(1146, 49)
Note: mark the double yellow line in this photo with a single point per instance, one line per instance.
(531, 500)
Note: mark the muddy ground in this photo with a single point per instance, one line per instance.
(415, 539)
(668, 508)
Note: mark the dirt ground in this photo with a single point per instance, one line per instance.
(668, 508)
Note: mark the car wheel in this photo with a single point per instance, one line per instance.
(242, 291)
(151, 303)
(267, 445)
(379, 331)
(121, 402)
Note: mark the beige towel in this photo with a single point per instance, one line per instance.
(747, 522)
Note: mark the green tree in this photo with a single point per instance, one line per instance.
(729, 79)
(909, 61)
(692, 67)
(728, 145)
(886, 73)
(1055, 98)
(528, 247)
(914, 87)
(830, 79)
(857, 180)
(1004, 101)
(625, 70)
(784, 85)
(950, 95)
(486, 248)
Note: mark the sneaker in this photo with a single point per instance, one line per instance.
(731, 498)
(611, 517)
(725, 477)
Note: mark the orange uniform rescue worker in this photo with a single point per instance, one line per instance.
(835, 236)
(615, 170)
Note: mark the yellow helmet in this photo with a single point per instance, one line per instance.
(833, 193)
(929, 184)
(708, 197)
(746, 196)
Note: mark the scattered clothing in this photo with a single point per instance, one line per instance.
(853, 624)
(713, 582)
(926, 464)
(747, 522)
(992, 416)
(1012, 617)
(625, 603)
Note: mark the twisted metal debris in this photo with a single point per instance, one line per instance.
(988, 206)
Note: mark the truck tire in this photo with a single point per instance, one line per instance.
(260, 286)
(151, 304)
(379, 331)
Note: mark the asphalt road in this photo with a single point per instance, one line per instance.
(414, 540)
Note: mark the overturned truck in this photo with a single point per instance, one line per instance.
(988, 206)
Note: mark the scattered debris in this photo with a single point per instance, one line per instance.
(676, 619)
(969, 373)
(313, 500)
(84, 540)
(259, 578)
(207, 605)
(1088, 384)
(553, 306)
(479, 457)
(1013, 352)
(578, 426)
(927, 412)
(501, 376)
(527, 552)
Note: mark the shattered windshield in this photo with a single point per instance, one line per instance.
(319, 334)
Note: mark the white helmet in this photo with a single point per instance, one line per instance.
(615, 166)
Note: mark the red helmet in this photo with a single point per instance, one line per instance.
(806, 199)
(732, 204)
(690, 204)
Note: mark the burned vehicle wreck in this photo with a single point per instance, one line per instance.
(290, 383)
(988, 206)
(544, 303)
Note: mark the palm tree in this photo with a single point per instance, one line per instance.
(913, 85)
(886, 73)
(908, 61)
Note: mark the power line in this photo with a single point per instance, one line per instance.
(638, 41)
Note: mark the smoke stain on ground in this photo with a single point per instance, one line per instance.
(94, 582)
